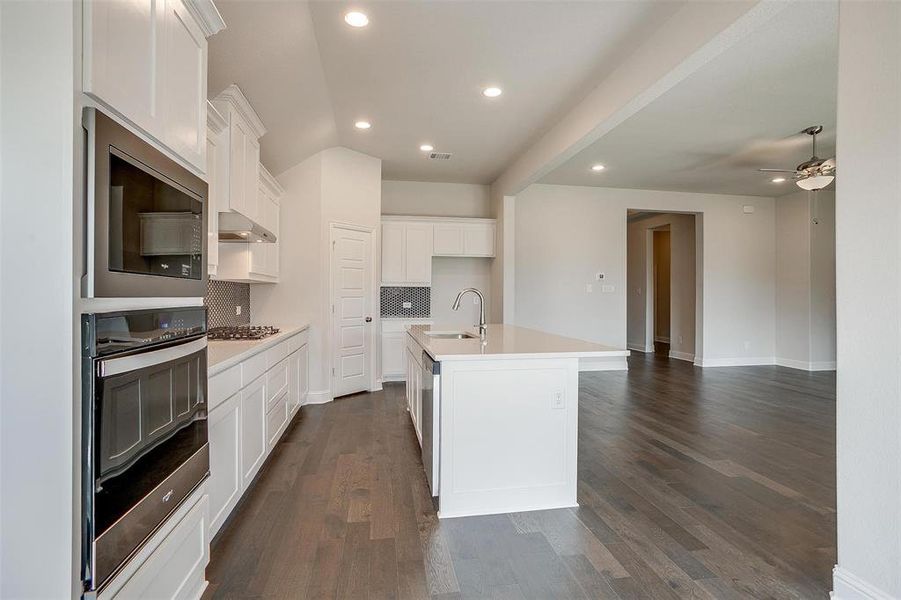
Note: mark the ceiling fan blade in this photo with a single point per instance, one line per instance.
(777, 170)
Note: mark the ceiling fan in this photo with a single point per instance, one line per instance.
(813, 174)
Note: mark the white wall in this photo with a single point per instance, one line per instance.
(428, 199)
(449, 276)
(38, 453)
(565, 234)
(868, 276)
(337, 185)
(805, 280)
(683, 286)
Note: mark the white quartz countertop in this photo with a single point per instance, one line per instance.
(222, 354)
(507, 341)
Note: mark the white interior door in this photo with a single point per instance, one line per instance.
(351, 308)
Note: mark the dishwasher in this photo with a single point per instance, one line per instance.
(431, 387)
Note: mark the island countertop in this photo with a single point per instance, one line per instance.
(507, 341)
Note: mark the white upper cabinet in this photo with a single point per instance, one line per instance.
(214, 174)
(457, 238)
(242, 157)
(147, 61)
(406, 253)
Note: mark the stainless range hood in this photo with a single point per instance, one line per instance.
(235, 227)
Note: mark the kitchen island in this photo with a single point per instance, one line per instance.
(499, 419)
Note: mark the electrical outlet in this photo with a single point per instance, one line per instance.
(475, 299)
(608, 289)
(747, 344)
(680, 340)
(408, 305)
(557, 401)
(589, 288)
(237, 310)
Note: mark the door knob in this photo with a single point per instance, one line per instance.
(369, 319)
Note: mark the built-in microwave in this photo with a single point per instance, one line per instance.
(146, 218)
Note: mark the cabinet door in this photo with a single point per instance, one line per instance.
(238, 132)
(122, 52)
(183, 85)
(293, 399)
(393, 253)
(418, 253)
(213, 190)
(226, 482)
(393, 353)
(448, 239)
(478, 239)
(304, 373)
(252, 176)
(276, 422)
(253, 429)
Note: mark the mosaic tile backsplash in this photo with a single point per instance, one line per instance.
(221, 299)
(392, 301)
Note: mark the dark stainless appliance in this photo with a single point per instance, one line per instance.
(431, 387)
(242, 332)
(146, 218)
(144, 420)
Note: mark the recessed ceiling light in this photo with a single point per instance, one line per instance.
(362, 124)
(427, 147)
(778, 179)
(492, 92)
(356, 19)
(598, 167)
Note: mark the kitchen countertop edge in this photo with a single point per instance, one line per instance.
(244, 349)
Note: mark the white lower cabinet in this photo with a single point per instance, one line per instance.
(414, 386)
(253, 429)
(172, 563)
(393, 347)
(225, 460)
(252, 404)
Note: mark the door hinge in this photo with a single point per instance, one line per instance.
(333, 371)
(333, 309)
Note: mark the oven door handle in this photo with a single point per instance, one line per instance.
(117, 366)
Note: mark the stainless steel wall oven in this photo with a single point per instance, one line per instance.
(146, 218)
(144, 421)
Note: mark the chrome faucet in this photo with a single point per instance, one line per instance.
(482, 327)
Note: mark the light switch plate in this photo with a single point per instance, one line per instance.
(608, 289)
(557, 401)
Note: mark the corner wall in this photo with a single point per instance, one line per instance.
(565, 234)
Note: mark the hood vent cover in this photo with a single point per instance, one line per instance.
(440, 155)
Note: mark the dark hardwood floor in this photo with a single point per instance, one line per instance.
(715, 483)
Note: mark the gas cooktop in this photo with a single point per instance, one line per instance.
(241, 332)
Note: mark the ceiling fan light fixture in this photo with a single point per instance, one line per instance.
(816, 182)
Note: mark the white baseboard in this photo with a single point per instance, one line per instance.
(320, 397)
(391, 378)
(805, 365)
(846, 586)
(639, 347)
(682, 355)
(377, 387)
(750, 361)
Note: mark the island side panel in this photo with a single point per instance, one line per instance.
(509, 435)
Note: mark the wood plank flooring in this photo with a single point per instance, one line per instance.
(715, 483)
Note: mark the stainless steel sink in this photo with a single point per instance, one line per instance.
(451, 335)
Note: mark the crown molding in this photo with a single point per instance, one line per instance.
(214, 119)
(271, 182)
(207, 16)
(234, 97)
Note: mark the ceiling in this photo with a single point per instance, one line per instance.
(740, 112)
(416, 72)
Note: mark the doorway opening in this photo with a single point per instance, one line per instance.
(664, 280)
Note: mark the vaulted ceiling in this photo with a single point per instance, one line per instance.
(417, 70)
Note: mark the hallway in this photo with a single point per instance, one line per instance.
(713, 483)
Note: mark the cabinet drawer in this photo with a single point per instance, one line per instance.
(223, 385)
(276, 420)
(253, 367)
(297, 341)
(277, 353)
(276, 383)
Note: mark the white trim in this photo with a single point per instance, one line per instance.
(214, 119)
(750, 361)
(271, 182)
(682, 355)
(846, 586)
(207, 16)
(389, 218)
(806, 366)
(234, 97)
(639, 347)
(320, 397)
